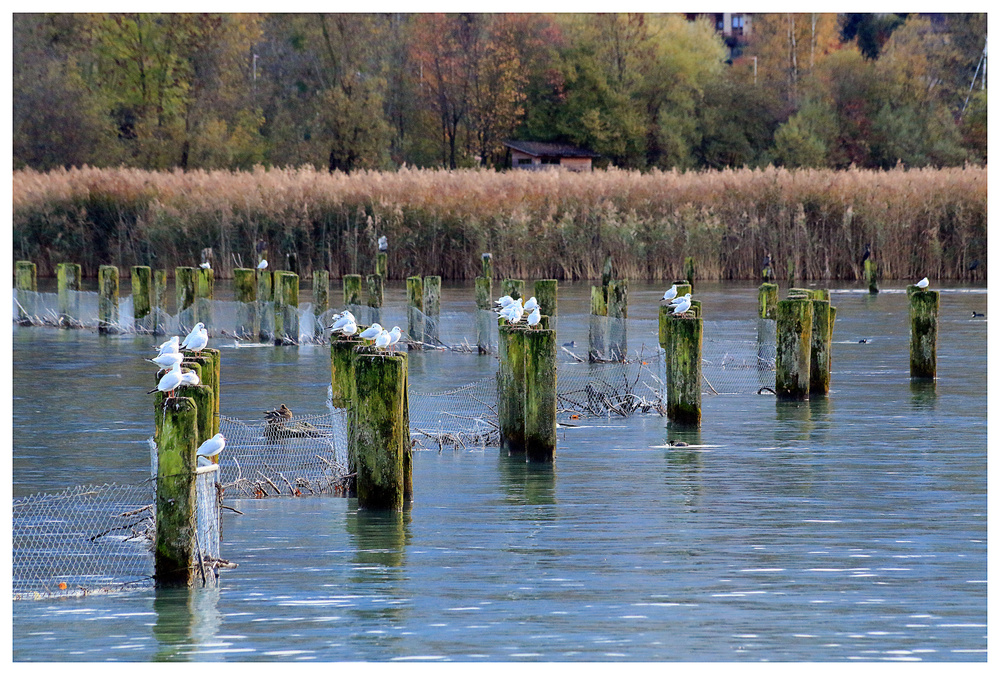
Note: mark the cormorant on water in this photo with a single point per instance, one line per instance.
(976, 315)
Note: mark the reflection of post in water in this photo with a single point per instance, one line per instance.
(923, 394)
(527, 483)
(185, 618)
(684, 464)
(793, 420)
(379, 540)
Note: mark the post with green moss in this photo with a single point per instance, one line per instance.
(380, 430)
(767, 300)
(265, 305)
(539, 395)
(487, 262)
(511, 383)
(415, 308)
(142, 299)
(484, 313)
(26, 282)
(432, 308)
(617, 315)
(185, 284)
(547, 294)
(68, 284)
(321, 300)
(793, 349)
(107, 299)
(352, 292)
(159, 302)
(871, 276)
(820, 349)
(286, 308)
(382, 264)
(681, 339)
(689, 270)
(924, 307)
(512, 287)
(598, 324)
(376, 296)
(342, 353)
(204, 293)
(207, 364)
(175, 548)
(245, 294)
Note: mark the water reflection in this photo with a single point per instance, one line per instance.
(527, 483)
(185, 618)
(923, 395)
(684, 476)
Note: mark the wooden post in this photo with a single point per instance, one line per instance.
(547, 294)
(617, 309)
(376, 296)
(793, 349)
(352, 291)
(107, 299)
(342, 371)
(607, 274)
(539, 395)
(415, 308)
(510, 404)
(487, 261)
(265, 304)
(820, 350)
(207, 364)
(159, 302)
(204, 400)
(871, 276)
(68, 280)
(184, 287)
(321, 300)
(176, 447)
(598, 323)
(26, 282)
(380, 430)
(924, 307)
(204, 292)
(142, 299)
(484, 313)
(245, 292)
(512, 287)
(382, 264)
(681, 339)
(689, 270)
(767, 300)
(432, 307)
(286, 307)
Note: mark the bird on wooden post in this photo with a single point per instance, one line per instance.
(868, 253)
(923, 283)
(212, 448)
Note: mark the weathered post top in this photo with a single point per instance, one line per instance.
(923, 311)
(793, 348)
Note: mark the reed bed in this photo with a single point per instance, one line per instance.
(552, 224)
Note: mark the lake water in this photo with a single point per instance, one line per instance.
(850, 527)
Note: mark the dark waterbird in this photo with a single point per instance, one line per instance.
(974, 265)
(977, 315)
(868, 253)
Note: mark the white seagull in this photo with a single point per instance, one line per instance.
(205, 265)
(169, 347)
(342, 320)
(394, 335)
(670, 293)
(170, 381)
(504, 302)
(190, 336)
(190, 379)
(535, 317)
(167, 360)
(212, 448)
(198, 342)
(923, 283)
(383, 243)
(383, 340)
(677, 301)
(349, 328)
(683, 306)
(372, 332)
(262, 265)
(530, 304)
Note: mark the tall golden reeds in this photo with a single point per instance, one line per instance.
(552, 224)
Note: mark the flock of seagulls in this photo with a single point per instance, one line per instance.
(679, 305)
(169, 358)
(514, 310)
(347, 325)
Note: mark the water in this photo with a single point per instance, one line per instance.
(845, 528)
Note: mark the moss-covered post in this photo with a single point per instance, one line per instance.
(432, 307)
(871, 276)
(382, 264)
(207, 364)
(380, 431)
(539, 395)
(286, 307)
(510, 404)
(159, 302)
(617, 309)
(185, 283)
(176, 502)
(924, 307)
(321, 300)
(689, 270)
(26, 282)
(547, 294)
(352, 292)
(767, 300)
(598, 323)
(793, 343)
(513, 287)
(68, 284)
(245, 293)
(376, 296)
(607, 274)
(265, 304)
(484, 313)
(342, 352)
(820, 349)
(415, 308)
(204, 293)
(107, 299)
(142, 298)
(487, 263)
(681, 338)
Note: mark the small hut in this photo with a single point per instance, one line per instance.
(536, 156)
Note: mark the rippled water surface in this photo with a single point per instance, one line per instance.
(851, 527)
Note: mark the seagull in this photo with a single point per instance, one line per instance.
(394, 335)
(505, 301)
(262, 265)
(169, 347)
(190, 379)
(530, 304)
(372, 332)
(677, 301)
(167, 360)
(349, 328)
(683, 306)
(190, 336)
(923, 283)
(170, 381)
(383, 340)
(670, 293)
(383, 243)
(976, 315)
(342, 320)
(212, 448)
(205, 265)
(535, 317)
(198, 342)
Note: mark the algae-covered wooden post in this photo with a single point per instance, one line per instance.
(820, 349)
(607, 274)
(352, 292)
(321, 300)
(245, 293)
(484, 313)
(767, 300)
(382, 264)
(793, 343)
(510, 403)
(26, 282)
(204, 293)
(681, 338)
(380, 430)
(175, 547)
(617, 309)
(432, 307)
(689, 270)
(513, 287)
(159, 302)
(924, 307)
(286, 307)
(342, 352)
(265, 304)
(598, 323)
(871, 275)
(376, 296)
(107, 299)
(547, 294)
(207, 363)
(487, 263)
(539, 395)
(142, 298)
(68, 285)
(185, 283)
(415, 308)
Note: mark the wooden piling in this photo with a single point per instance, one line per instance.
(26, 282)
(352, 291)
(607, 274)
(767, 300)
(376, 296)
(540, 395)
(924, 306)
(487, 262)
(159, 302)
(484, 314)
(415, 308)
(68, 283)
(175, 548)
(681, 339)
(265, 304)
(204, 293)
(321, 299)
(185, 283)
(598, 323)
(689, 270)
(432, 307)
(107, 299)
(793, 349)
(342, 354)
(286, 307)
(510, 403)
(871, 276)
(380, 430)
(512, 287)
(382, 264)
(547, 295)
(617, 309)
(207, 363)
(820, 349)
(245, 292)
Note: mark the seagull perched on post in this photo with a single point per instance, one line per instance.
(167, 360)
(683, 306)
(191, 336)
(212, 448)
(383, 340)
(923, 283)
(394, 335)
(262, 265)
(197, 342)
(530, 304)
(169, 347)
(205, 265)
(383, 243)
(371, 332)
(535, 317)
(504, 302)
(670, 293)
(173, 379)
(341, 320)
